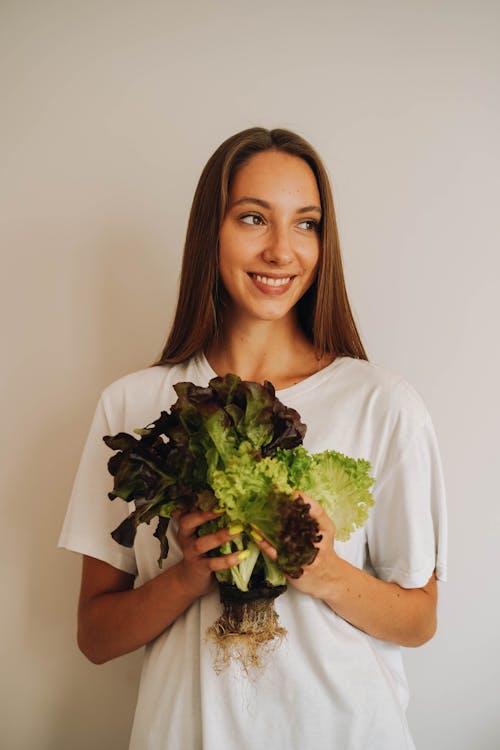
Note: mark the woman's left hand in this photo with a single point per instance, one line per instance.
(317, 577)
(384, 610)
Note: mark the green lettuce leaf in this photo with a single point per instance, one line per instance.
(339, 483)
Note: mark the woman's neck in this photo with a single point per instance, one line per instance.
(266, 350)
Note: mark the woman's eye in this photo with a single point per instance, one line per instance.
(309, 224)
(254, 219)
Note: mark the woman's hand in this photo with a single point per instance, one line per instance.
(384, 610)
(114, 617)
(316, 578)
(195, 570)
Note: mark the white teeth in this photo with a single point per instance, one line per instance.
(272, 282)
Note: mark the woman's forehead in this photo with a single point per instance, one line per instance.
(275, 175)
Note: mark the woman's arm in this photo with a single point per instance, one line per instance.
(383, 610)
(114, 618)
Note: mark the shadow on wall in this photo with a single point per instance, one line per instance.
(62, 700)
(118, 319)
(131, 282)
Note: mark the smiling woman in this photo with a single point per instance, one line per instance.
(262, 295)
(225, 192)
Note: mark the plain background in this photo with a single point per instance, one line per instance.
(109, 111)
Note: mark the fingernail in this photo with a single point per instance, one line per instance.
(236, 528)
(243, 555)
(218, 509)
(255, 535)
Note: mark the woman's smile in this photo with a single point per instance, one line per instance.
(273, 285)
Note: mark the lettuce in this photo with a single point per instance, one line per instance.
(235, 448)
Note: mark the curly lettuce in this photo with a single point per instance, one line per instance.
(235, 448)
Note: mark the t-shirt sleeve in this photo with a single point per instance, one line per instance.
(91, 516)
(406, 531)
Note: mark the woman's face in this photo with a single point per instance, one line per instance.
(269, 240)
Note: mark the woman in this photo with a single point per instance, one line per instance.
(262, 295)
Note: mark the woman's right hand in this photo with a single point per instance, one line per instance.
(195, 569)
(114, 617)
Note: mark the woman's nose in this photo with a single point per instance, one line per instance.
(278, 248)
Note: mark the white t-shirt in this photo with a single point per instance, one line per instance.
(328, 685)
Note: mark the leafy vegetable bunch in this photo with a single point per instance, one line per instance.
(233, 447)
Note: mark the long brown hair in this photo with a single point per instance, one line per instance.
(324, 312)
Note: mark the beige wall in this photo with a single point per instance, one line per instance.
(108, 113)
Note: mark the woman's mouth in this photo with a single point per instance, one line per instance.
(271, 284)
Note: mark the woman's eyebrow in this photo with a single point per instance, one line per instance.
(310, 209)
(265, 204)
(248, 199)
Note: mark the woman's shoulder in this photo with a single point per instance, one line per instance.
(137, 381)
(377, 375)
(380, 385)
(140, 396)
(154, 376)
